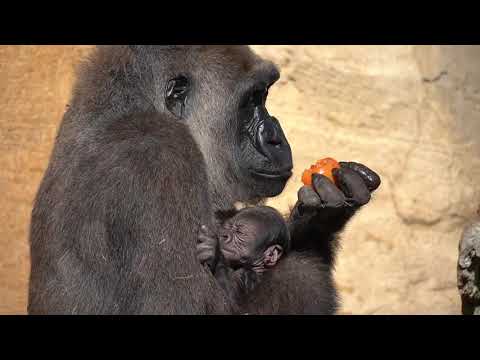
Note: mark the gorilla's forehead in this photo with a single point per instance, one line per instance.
(244, 59)
(228, 62)
(234, 62)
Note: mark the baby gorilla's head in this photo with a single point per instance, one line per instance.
(255, 238)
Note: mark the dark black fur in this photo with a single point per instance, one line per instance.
(116, 217)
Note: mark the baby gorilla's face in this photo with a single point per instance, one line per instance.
(246, 241)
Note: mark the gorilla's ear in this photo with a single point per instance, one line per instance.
(272, 255)
(176, 93)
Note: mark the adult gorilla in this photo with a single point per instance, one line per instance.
(158, 140)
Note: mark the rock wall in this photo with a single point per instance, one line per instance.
(409, 112)
(36, 83)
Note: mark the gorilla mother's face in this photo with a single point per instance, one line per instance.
(222, 98)
(264, 155)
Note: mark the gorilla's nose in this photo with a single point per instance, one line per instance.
(271, 134)
(273, 143)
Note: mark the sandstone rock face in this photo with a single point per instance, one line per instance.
(412, 113)
(36, 83)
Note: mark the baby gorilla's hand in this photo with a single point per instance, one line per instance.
(207, 247)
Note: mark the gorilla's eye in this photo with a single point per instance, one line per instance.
(176, 95)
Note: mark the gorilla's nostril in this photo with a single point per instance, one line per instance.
(275, 142)
(273, 139)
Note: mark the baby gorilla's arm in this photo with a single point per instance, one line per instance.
(208, 251)
(235, 282)
(251, 241)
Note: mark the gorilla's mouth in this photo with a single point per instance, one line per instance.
(279, 174)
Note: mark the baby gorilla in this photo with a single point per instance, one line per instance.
(245, 246)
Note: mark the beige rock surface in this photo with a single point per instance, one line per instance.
(409, 112)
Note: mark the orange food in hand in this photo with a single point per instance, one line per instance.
(324, 167)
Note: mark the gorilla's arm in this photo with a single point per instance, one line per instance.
(323, 210)
(299, 284)
(237, 283)
(155, 229)
(121, 239)
(302, 283)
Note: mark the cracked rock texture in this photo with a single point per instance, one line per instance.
(468, 270)
(412, 113)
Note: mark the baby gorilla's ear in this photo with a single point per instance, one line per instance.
(272, 255)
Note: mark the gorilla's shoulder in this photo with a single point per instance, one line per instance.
(151, 142)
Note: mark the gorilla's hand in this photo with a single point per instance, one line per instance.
(207, 248)
(355, 183)
(325, 208)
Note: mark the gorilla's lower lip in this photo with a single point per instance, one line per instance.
(273, 175)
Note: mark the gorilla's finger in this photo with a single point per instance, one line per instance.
(370, 177)
(205, 248)
(308, 197)
(205, 232)
(202, 254)
(205, 255)
(330, 195)
(352, 185)
(204, 245)
(206, 239)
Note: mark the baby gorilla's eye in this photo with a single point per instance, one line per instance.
(224, 237)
